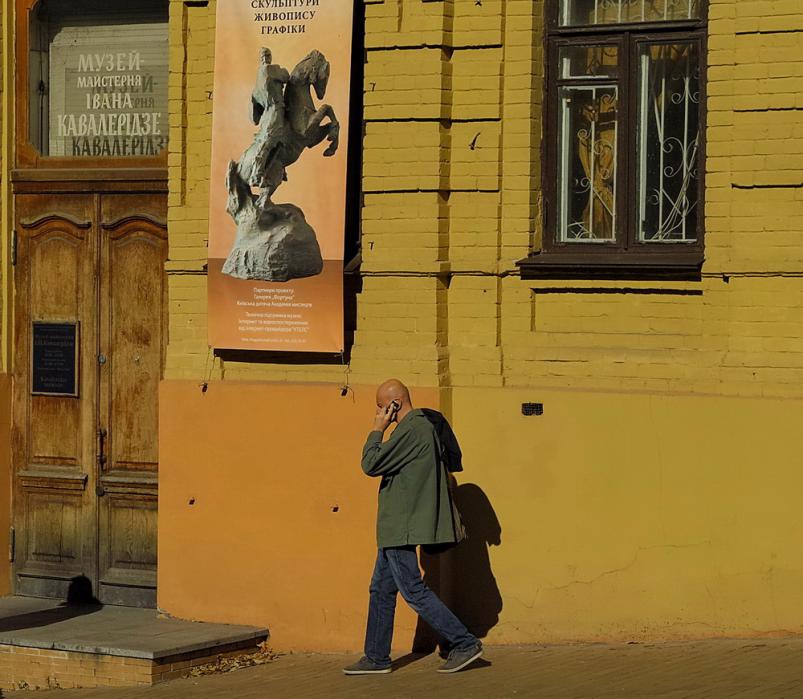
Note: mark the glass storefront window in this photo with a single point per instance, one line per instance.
(97, 80)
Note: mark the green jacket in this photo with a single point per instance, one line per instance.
(414, 499)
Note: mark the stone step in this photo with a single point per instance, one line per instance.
(46, 643)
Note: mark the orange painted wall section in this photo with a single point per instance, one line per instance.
(265, 516)
(5, 481)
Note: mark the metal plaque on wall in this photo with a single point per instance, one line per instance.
(54, 359)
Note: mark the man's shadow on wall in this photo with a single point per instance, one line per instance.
(462, 576)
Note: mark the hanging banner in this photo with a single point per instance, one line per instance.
(278, 182)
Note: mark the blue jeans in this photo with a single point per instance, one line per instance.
(397, 570)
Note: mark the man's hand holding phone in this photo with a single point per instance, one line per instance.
(384, 416)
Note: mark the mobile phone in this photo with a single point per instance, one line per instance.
(394, 407)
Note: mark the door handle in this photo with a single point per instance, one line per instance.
(102, 433)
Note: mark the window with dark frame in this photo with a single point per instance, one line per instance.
(98, 78)
(623, 140)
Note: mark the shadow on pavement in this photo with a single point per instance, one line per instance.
(408, 659)
(478, 665)
(80, 601)
(411, 658)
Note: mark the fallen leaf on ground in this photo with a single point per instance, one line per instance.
(261, 656)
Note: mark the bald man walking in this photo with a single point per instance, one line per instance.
(415, 508)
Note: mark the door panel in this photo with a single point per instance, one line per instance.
(59, 544)
(53, 436)
(55, 428)
(128, 557)
(133, 339)
(132, 335)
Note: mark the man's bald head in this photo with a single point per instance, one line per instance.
(393, 389)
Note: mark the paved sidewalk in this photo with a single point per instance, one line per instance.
(711, 669)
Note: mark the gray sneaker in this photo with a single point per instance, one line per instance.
(365, 666)
(458, 659)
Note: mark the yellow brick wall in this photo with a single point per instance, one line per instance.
(192, 36)
(451, 95)
(451, 180)
(620, 506)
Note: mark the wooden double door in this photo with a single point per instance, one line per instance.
(86, 465)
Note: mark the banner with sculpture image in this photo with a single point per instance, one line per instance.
(278, 183)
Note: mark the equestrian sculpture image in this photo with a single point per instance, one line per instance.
(274, 241)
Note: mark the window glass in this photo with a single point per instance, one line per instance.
(98, 78)
(668, 141)
(587, 176)
(582, 12)
(589, 62)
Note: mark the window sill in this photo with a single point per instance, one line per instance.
(676, 266)
(87, 174)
